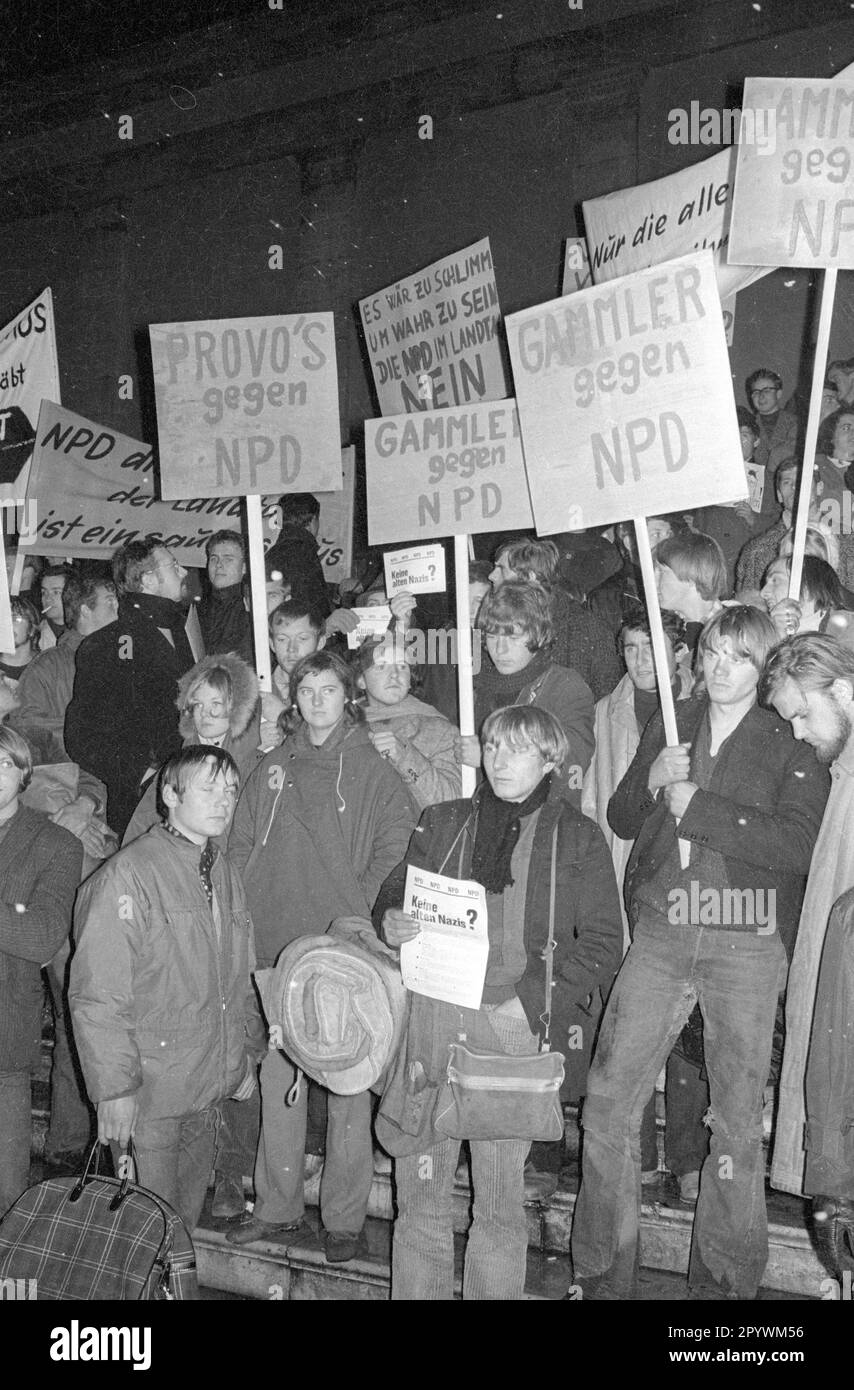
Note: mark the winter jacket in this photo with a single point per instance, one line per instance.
(778, 440)
(315, 834)
(160, 996)
(225, 624)
(588, 928)
(617, 738)
(44, 692)
(763, 813)
(40, 867)
(830, 1070)
(296, 557)
(122, 718)
(428, 765)
(241, 741)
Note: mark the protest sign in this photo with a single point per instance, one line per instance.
(577, 274)
(92, 489)
(418, 571)
(625, 398)
(665, 219)
(447, 959)
(247, 406)
(373, 622)
(29, 373)
(793, 204)
(433, 337)
(335, 525)
(446, 473)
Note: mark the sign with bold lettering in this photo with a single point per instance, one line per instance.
(670, 217)
(91, 489)
(794, 204)
(625, 398)
(247, 406)
(447, 473)
(417, 571)
(28, 374)
(433, 337)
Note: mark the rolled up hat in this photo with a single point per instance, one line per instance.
(340, 1003)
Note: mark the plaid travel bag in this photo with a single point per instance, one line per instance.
(97, 1238)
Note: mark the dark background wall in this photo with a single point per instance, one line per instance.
(300, 128)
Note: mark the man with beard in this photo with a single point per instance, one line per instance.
(809, 680)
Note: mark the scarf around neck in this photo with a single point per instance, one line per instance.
(493, 690)
(499, 824)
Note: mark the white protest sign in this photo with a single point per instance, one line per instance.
(373, 622)
(794, 204)
(446, 473)
(625, 398)
(447, 959)
(755, 485)
(29, 374)
(665, 219)
(417, 571)
(433, 337)
(577, 274)
(247, 406)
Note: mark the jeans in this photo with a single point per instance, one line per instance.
(422, 1265)
(280, 1166)
(70, 1115)
(237, 1137)
(686, 1138)
(174, 1159)
(736, 976)
(16, 1127)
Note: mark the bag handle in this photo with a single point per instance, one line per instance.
(548, 953)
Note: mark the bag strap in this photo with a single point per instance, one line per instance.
(548, 953)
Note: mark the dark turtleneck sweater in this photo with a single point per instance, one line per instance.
(226, 625)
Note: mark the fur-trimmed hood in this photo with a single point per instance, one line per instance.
(244, 684)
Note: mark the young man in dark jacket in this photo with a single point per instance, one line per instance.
(294, 555)
(165, 1016)
(122, 722)
(748, 800)
(39, 872)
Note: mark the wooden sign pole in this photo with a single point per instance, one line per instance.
(258, 582)
(828, 293)
(659, 651)
(465, 665)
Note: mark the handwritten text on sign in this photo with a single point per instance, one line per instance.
(417, 571)
(247, 406)
(446, 474)
(625, 398)
(447, 960)
(432, 338)
(796, 206)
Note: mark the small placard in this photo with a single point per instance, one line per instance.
(417, 571)
(373, 622)
(447, 960)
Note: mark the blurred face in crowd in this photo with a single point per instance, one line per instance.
(478, 589)
(294, 640)
(514, 771)
(765, 396)
(377, 598)
(818, 717)
(829, 403)
(166, 578)
(52, 588)
(10, 785)
(226, 565)
(843, 437)
(320, 699)
(509, 652)
(730, 678)
(206, 805)
(787, 489)
(639, 659)
(844, 382)
(674, 593)
(210, 712)
(748, 442)
(659, 530)
(103, 609)
(775, 585)
(386, 681)
(502, 572)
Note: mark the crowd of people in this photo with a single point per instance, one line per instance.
(166, 830)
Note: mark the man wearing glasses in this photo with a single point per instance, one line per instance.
(122, 722)
(778, 433)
